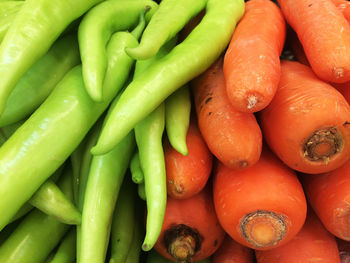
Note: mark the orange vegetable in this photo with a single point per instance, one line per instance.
(312, 244)
(262, 206)
(191, 231)
(329, 196)
(344, 7)
(324, 34)
(233, 137)
(252, 60)
(187, 175)
(232, 252)
(307, 124)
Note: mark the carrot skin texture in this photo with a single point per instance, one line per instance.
(325, 35)
(328, 194)
(188, 175)
(196, 212)
(252, 60)
(238, 142)
(303, 108)
(232, 252)
(312, 244)
(344, 7)
(269, 186)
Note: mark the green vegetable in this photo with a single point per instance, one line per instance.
(38, 82)
(170, 18)
(101, 22)
(136, 170)
(66, 250)
(35, 28)
(187, 60)
(177, 118)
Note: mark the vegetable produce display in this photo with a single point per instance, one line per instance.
(146, 131)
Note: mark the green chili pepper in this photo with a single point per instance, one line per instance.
(177, 118)
(170, 18)
(36, 26)
(148, 134)
(83, 175)
(54, 130)
(186, 61)
(123, 223)
(37, 234)
(8, 11)
(7, 131)
(135, 169)
(66, 250)
(50, 200)
(37, 83)
(8, 230)
(105, 178)
(101, 22)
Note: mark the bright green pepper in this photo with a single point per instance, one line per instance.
(38, 82)
(53, 131)
(36, 26)
(8, 11)
(101, 22)
(170, 18)
(136, 170)
(186, 61)
(37, 235)
(50, 200)
(177, 118)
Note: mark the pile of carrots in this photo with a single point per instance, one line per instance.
(267, 175)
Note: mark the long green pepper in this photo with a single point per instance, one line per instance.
(186, 61)
(177, 118)
(170, 18)
(66, 250)
(53, 131)
(38, 82)
(38, 234)
(8, 12)
(36, 26)
(101, 22)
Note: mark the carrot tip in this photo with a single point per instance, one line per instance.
(263, 228)
(323, 144)
(339, 73)
(252, 101)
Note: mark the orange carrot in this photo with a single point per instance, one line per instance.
(252, 63)
(344, 7)
(329, 196)
(232, 252)
(233, 137)
(187, 175)
(324, 34)
(307, 124)
(262, 206)
(312, 244)
(191, 231)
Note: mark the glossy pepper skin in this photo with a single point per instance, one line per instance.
(53, 131)
(101, 22)
(186, 61)
(38, 82)
(170, 18)
(36, 26)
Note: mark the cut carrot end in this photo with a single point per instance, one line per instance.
(252, 101)
(323, 144)
(263, 228)
(182, 242)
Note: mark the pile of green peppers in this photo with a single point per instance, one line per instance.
(87, 90)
